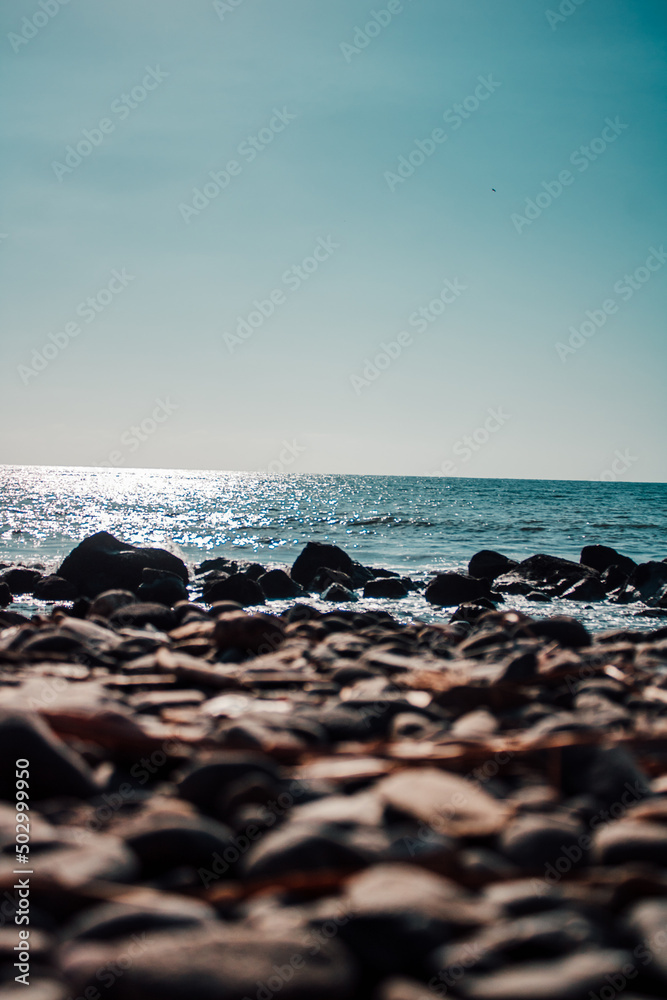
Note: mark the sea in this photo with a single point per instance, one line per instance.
(414, 526)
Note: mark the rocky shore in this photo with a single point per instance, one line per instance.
(332, 804)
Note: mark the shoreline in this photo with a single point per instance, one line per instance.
(477, 806)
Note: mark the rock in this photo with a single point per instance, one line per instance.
(5, 595)
(552, 572)
(206, 785)
(534, 841)
(139, 615)
(338, 593)
(648, 582)
(325, 577)
(386, 587)
(318, 555)
(602, 557)
(238, 588)
(628, 841)
(257, 634)
(589, 589)
(568, 632)
(101, 856)
(399, 913)
(159, 587)
(400, 988)
(20, 579)
(55, 769)
(164, 841)
(55, 588)
(40, 989)
(109, 601)
(301, 847)
(573, 977)
(614, 579)
(610, 774)
(488, 564)
(647, 921)
(446, 802)
(110, 921)
(216, 962)
(102, 562)
(277, 585)
(451, 589)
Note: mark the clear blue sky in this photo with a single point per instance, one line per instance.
(340, 108)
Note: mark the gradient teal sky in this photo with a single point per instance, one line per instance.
(564, 413)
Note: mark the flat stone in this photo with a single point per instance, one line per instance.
(446, 802)
(570, 978)
(214, 963)
(627, 841)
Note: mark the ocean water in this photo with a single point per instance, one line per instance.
(412, 525)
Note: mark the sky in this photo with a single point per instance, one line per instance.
(414, 238)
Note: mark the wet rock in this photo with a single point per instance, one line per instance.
(386, 587)
(258, 633)
(277, 585)
(40, 989)
(338, 593)
(586, 590)
(213, 963)
(319, 555)
(20, 579)
(5, 595)
(325, 577)
(238, 588)
(102, 562)
(160, 587)
(626, 841)
(451, 589)
(55, 769)
(488, 564)
(55, 588)
(648, 582)
(602, 557)
(551, 572)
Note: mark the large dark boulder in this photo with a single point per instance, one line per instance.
(54, 588)
(21, 579)
(451, 589)
(601, 557)
(317, 555)
(552, 572)
(102, 562)
(276, 585)
(238, 587)
(160, 587)
(325, 577)
(489, 564)
(386, 587)
(5, 595)
(648, 582)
